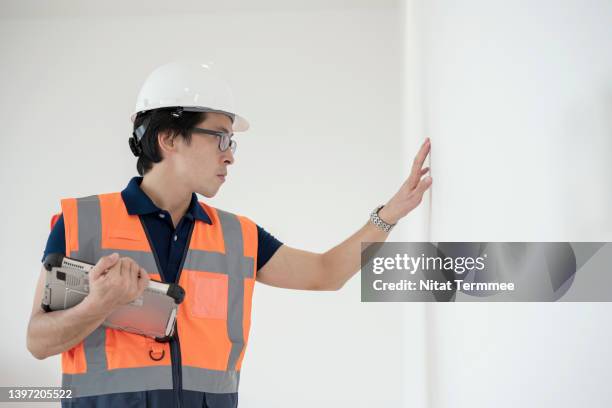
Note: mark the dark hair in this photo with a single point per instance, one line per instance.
(163, 120)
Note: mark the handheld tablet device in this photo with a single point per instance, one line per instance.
(153, 314)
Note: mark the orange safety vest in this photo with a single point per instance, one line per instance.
(218, 275)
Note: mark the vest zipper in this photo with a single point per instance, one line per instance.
(176, 333)
(175, 346)
(175, 354)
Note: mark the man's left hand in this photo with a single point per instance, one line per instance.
(410, 194)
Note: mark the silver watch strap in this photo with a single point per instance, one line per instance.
(377, 221)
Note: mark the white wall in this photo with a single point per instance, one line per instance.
(322, 88)
(518, 104)
(515, 96)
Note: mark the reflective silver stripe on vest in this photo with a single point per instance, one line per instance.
(90, 240)
(144, 259)
(237, 267)
(119, 380)
(204, 380)
(90, 229)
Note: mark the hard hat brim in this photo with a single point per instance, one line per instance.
(239, 124)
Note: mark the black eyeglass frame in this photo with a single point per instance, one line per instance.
(225, 139)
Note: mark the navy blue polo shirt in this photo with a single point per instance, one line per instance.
(168, 242)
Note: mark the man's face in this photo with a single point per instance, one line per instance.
(201, 164)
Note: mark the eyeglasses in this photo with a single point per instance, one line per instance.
(225, 139)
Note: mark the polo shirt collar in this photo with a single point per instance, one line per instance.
(138, 203)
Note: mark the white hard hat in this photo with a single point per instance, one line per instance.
(190, 85)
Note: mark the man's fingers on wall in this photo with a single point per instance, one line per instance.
(423, 185)
(415, 175)
(423, 151)
(419, 159)
(416, 166)
(412, 181)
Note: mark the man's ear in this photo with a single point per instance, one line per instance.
(166, 142)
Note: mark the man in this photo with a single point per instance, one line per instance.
(156, 229)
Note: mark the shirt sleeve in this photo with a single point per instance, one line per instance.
(267, 245)
(56, 243)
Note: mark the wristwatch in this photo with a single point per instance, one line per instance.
(376, 220)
